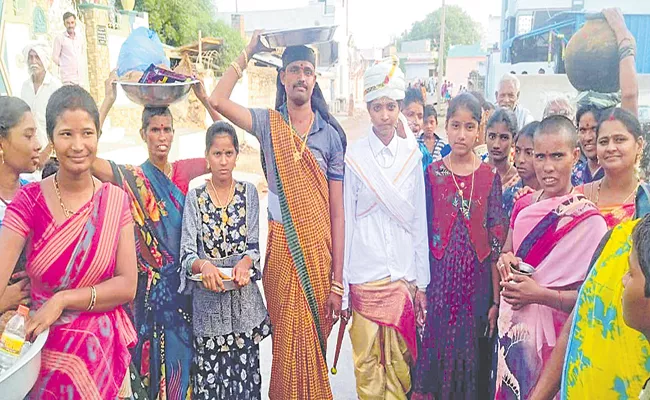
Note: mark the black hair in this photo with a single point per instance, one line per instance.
(413, 96)
(68, 98)
(625, 117)
(430, 111)
(50, 168)
(641, 244)
(467, 101)
(67, 15)
(589, 108)
(149, 112)
(485, 105)
(506, 117)
(527, 131)
(12, 110)
(558, 124)
(221, 128)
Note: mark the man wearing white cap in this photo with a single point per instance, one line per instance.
(386, 265)
(38, 88)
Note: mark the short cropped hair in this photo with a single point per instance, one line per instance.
(558, 124)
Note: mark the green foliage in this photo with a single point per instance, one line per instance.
(460, 28)
(178, 22)
(233, 43)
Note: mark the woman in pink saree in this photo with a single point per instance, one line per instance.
(80, 259)
(546, 227)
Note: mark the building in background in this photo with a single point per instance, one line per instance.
(334, 58)
(22, 21)
(535, 34)
(463, 60)
(418, 60)
(362, 59)
(492, 34)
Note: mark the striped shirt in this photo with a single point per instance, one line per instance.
(440, 149)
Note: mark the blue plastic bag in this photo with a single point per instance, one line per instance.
(141, 49)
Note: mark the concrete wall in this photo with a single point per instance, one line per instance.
(628, 6)
(18, 28)
(416, 46)
(417, 71)
(458, 69)
(492, 34)
(295, 18)
(261, 86)
(536, 90)
(547, 4)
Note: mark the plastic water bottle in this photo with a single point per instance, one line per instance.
(13, 339)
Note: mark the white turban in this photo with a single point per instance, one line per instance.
(42, 50)
(384, 79)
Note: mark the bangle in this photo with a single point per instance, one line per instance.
(245, 56)
(237, 69)
(626, 51)
(337, 284)
(337, 291)
(202, 266)
(625, 39)
(93, 298)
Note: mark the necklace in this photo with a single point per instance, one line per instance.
(171, 169)
(381, 164)
(297, 154)
(231, 195)
(223, 227)
(465, 205)
(67, 212)
(600, 183)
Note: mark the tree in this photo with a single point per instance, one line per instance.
(233, 43)
(460, 28)
(178, 22)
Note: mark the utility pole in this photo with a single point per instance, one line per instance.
(441, 52)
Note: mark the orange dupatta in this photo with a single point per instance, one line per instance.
(296, 301)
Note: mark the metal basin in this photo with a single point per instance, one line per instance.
(156, 94)
(17, 381)
(297, 37)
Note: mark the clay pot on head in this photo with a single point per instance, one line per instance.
(592, 61)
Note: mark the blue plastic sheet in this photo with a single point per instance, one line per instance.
(141, 49)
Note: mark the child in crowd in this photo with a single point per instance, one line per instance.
(433, 146)
(413, 110)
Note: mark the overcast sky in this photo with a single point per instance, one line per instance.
(372, 22)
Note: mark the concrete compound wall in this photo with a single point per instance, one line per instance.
(536, 90)
(261, 86)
